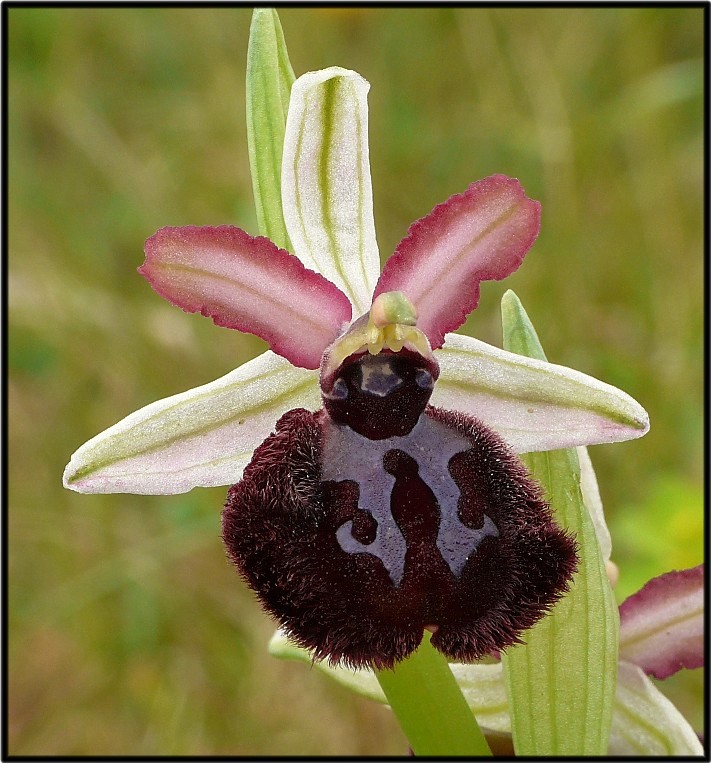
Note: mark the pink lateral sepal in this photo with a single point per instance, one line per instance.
(247, 283)
(662, 625)
(482, 234)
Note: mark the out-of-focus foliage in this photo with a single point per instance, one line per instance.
(129, 632)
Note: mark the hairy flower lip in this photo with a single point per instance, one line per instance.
(354, 600)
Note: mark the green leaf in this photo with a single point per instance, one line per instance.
(269, 81)
(561, 683)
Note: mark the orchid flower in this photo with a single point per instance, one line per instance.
(372, 452)
(377, 491)
(661, 632)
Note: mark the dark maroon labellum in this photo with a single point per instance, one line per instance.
(358, 530)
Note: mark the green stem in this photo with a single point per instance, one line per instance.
(430, 707)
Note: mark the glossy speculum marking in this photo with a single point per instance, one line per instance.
(362, 524)
(376, 466)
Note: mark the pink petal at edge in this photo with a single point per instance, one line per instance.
(662, 625)
(482, 234)
(247, 283)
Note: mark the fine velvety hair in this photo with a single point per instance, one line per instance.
(358, 584)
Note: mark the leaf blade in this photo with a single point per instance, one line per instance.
(561, 683)
(269, 81)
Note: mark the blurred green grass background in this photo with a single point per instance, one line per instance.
(129, 632)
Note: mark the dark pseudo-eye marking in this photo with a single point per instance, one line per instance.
(339, 391)
(362, 524)
(423, 378)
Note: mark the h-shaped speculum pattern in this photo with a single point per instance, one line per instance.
(349, 456)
